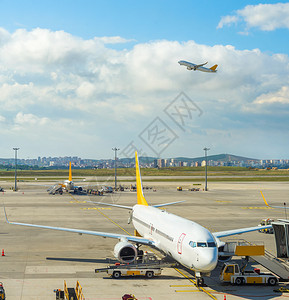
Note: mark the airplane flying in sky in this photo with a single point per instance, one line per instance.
(191, 66)
(187, 242)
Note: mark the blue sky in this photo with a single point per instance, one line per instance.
(80, 77)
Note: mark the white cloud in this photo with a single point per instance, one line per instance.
(228, 20)
(113, 40)
(29, 119)
(67, 89)
(266, 17)
(281, 96)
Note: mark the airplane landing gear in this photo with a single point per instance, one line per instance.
(200, 281)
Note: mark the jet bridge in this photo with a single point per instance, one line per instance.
(281, 231)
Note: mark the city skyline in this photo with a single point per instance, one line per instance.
(80, 79)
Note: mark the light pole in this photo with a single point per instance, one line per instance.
(15, 149)
(206, 186)
(115, 167)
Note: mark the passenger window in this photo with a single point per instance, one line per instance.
(202, 244)
(211, 244)
(237, 270)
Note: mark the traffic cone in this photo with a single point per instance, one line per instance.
(225, 297)
(3, 252)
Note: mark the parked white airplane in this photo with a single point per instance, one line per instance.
(68, 184)
(189, 243)
(191, 66)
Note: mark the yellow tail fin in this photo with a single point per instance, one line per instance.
(213, 68)
(140, 197)
(70, 174)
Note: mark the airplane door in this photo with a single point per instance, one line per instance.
(180, 243)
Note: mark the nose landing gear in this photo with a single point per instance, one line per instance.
(200, 281)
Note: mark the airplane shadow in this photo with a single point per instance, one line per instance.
(84, 260)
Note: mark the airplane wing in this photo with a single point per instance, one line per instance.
(197, 66)
(134, 239)
(166, 204)
(221, 234)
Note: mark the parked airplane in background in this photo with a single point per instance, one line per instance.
(191, 66)
(67, 185)
(187, 242)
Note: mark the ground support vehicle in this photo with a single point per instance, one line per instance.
(2, 292)
(149, 267)
(130, 270)
(266, 222)
(231, 273)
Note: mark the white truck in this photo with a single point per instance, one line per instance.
(231, 273)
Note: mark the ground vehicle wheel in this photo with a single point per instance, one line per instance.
(238, 281)
(272, 281)
(149, 274)
(116, 274)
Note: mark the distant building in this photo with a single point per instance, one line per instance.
(161, 163)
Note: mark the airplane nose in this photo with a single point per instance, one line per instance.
(207, 260)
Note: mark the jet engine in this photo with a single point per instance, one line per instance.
(125, 252)
(189, 68)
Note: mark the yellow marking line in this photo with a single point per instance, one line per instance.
(256, 207)
(194, 282)
(103, 215)
(97, 208)
(113, 222)
(221, 201)
(181, 285)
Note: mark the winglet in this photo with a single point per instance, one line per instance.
(70, 173)
(140, 197)
(264, 199)
(213, 68)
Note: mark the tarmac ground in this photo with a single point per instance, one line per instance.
(37, 261)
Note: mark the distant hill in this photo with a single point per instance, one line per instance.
(218, 157)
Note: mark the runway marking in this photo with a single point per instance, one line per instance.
(181, 285)
(194, 282)
(223, 201)
(97, 208)
(256, 207)
(113, 222)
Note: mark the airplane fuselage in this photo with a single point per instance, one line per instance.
(68, 185)
(187, 242)
(191, 66)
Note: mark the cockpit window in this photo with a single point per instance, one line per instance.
(201, 244)
(193, 244)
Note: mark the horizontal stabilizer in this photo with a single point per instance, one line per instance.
(110, 204)
(167, 204)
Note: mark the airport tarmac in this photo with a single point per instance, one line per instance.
(37, 261)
